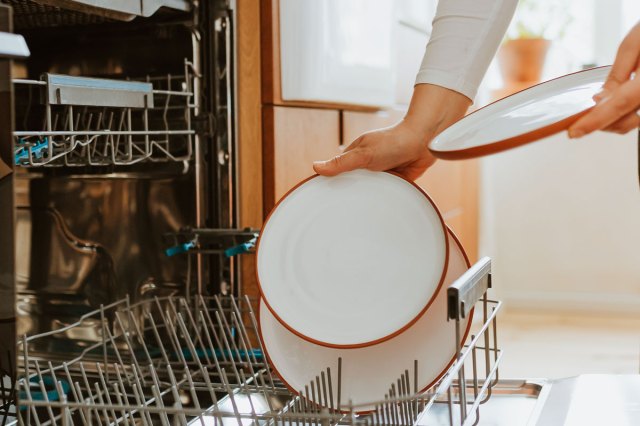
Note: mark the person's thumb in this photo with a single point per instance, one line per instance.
(347, 161)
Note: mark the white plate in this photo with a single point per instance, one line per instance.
(367, 373)
(526, 116)
(338, 254)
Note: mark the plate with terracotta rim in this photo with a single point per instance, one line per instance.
(524, 117)
(336, 253)
(367, 373)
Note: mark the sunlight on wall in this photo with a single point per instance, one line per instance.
(561, 217)
(630, 13)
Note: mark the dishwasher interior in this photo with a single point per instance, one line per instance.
(129, 302)
(123, 145)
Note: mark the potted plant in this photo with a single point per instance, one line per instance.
(536, 22)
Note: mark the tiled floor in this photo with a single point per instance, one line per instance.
(544, 345)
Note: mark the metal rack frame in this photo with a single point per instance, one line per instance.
(177, 361)
(100, 122)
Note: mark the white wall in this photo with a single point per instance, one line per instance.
(561, 219)
(411, 33)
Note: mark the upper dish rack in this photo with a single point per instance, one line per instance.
(100, 122)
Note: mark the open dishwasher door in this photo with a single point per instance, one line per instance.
(591, 399)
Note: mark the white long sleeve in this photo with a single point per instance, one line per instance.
(464, 40)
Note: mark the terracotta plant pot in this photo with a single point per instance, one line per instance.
(522, 60)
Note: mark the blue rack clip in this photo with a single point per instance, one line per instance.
(180, 248)
(241, 248)
(22, 153)
(51, 394)
(238, 354)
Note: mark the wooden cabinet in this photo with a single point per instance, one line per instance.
(293, 138)
(453, 185)
(355, 123)
(279, 140)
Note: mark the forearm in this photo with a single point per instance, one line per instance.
(433, 109)
(465, 36)
(464, 39)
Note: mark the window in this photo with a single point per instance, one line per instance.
(590, 37)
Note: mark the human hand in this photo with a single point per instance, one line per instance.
(399, 148)
(618, 103)
(402, 148)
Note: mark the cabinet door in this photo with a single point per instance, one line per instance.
(293, 139)
(356, 123)
(453, 185)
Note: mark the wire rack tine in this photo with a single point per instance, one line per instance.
(253, 324)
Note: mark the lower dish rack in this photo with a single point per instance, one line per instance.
(198, 361)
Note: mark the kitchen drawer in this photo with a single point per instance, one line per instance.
(356, 123)
(293, 139)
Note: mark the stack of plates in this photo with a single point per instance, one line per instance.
(355, 267)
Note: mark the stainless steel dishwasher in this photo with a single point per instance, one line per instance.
(118, 143)
(119, 187)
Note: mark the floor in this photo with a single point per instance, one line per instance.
(546, 345)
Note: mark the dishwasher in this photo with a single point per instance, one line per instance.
(121, 283)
